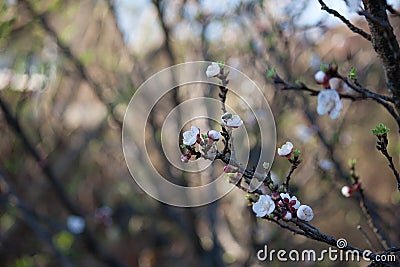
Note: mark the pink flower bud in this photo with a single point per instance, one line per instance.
(228, 169)
(185, 157)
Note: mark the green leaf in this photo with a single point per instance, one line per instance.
(64, 240)
(353, 73)
(380, 129)
(352, 163)
(324, 67)
(271, 73)
(296, 153)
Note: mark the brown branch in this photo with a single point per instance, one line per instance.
(345, 21)
(385, 45)
(382, 144)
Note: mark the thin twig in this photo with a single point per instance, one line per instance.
(367, 239)
(345, 21)
(295, 163)
(382, 144)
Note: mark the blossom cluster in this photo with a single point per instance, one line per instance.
(282, 205)
(207, 141)
(329, 99)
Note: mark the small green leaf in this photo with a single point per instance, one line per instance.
(353, 73)
(271, 73)
(352, 163)
(296, 153)
(221, 64)
(380, 129)
(324, 67)
(204, 136)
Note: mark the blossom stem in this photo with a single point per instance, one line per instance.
(295, 163)
(382, 144)
(223, 89)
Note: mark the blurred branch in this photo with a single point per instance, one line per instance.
(65, 49)
(56, 184)
(30, 220)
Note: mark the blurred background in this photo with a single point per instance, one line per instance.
(67, 72)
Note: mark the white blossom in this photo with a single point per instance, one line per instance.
(287, 216)
(214, 135)
(320, 77)
(190, 137)
(286, 149)
(291, 201)
(329, 103)
(346, 191)
(264, 206)
(305, 213)
(213, 70)
(232, 121)
(75, 224)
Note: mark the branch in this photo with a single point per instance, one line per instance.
(96, 87)
(32, 222)
(345, 21)
(57, 186)
(385, 44)
(382, 144)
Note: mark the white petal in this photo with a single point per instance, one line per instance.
(213, 70)
(305, 213)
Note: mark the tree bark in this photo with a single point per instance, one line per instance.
(385, 44)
